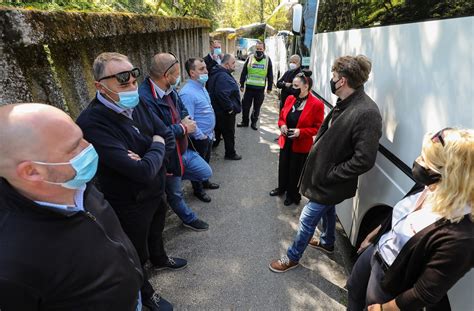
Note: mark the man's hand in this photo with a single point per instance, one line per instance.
(269, 91)
(132, 155)
(388, 306)
(374, 307)
(284, 129)
(363, 246)
(288, 84)
(189, 124)
(241, 89)
(158, 139)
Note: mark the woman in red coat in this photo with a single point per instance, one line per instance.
(299, 121)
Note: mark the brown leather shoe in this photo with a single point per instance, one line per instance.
(325, 248)
(283, 264)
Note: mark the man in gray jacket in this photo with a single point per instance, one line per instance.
(345, 147)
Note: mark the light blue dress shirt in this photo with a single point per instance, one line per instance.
(196, 99)
(77, 207)
(126, 112)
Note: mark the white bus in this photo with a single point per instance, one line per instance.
(422, 79)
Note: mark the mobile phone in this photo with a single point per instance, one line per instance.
(290, 132)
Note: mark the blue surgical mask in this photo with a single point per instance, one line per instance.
(217, 51)
(85, 165)
(127, 100)
(203, 78)
(175, 85)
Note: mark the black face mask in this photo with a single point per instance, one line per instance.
(333, 85)
(259, 54)
(424, 175)
(295, 92)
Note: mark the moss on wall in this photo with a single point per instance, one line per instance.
(54, 51)
(32, 27)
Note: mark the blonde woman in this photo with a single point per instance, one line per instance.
(427, 245)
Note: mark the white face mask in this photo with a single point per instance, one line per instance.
(293, 66)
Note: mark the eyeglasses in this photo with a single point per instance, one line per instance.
(439, 136)
(124, 76)
(176, 61)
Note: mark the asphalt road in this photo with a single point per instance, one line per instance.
(228, 265)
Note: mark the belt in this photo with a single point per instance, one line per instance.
(381, 261)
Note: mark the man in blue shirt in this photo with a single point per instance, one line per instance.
(198, 103)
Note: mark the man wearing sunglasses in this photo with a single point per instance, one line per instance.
(158, 91)
(132, 144)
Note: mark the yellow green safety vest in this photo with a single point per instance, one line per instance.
(256, 71)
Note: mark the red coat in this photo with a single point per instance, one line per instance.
(309, 122)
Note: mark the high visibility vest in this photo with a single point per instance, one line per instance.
(256, 71)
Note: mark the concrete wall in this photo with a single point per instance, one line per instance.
(47, 56)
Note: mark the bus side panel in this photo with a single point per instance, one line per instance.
(421, 80)
(421, 76)
(377, 187)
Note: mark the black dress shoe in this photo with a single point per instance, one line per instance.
(210, 185)
(275, 192)
(234, 157)
(242, 124)
(288, 202)
(203, 196)
(157, 303)
(254, 126)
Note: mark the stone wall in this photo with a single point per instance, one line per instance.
(47, 56)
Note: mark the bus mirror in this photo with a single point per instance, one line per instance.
(297, 18)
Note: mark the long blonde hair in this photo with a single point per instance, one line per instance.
(455, 162)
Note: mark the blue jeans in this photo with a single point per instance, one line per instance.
(195, 169)
(310, 216)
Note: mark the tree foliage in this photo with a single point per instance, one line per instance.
(236, 13)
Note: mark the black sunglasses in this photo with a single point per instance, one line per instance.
(439, 136)
(176, 61)
(124, 76)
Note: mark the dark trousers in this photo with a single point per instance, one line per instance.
(203, 147)
(364, 285)
(290, 167)
(144, 223)
(225, 126)
(252, 96)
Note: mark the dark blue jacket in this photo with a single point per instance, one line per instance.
(52, 260)
(223, 90)
(161, 109)
(124, 181)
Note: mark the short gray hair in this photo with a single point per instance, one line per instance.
(296, 57)
(226, 58)
(101, 61)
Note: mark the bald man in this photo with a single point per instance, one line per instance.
(158, 91)
(286, 81)
(61, 244)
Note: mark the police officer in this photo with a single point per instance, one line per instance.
(256, 73)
